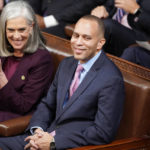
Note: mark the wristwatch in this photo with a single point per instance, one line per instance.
(138, 12)
(52, 146)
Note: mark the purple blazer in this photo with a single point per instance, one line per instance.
(27, 86)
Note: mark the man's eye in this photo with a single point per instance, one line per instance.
(87, 38)
(75, 35)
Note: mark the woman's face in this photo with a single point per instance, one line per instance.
(17, 33)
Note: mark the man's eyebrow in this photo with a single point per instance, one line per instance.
(81, 34)
(86, 35)
(75, 32)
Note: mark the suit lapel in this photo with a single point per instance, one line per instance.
(82, 87)
(67, 78)
(88, 79)
(85, 83)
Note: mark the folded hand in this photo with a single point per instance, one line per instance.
(129, 6)
(3, 79)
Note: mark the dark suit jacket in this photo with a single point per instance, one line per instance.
(138, 55)
(139, 23)
(92, 115)
(39, 6)
(66, 11)
(18, 96)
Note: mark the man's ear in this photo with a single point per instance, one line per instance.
(101, 43)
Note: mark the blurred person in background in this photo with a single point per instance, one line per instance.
(125, 21)
(53, 15)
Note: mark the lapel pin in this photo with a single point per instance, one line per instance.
(22, 77)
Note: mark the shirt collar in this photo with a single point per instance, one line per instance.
(87, 66)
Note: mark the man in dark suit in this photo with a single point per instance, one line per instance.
(140, 54)
(53, 15)
(90, 115)
(122, 34)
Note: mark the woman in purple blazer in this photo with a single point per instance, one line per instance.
(25, 65)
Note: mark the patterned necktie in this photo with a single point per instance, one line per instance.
(76, 80)
(119, 15)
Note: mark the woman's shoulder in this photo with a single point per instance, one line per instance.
(41, 55)
(42, 51)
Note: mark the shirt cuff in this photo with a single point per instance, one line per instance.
(33, 128)
(50, 21)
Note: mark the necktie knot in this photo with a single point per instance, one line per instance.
(79, 68)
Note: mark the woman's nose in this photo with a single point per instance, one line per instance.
(16, 35)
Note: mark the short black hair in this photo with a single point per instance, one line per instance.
(97, 20)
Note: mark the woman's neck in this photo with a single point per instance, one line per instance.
(18, 53)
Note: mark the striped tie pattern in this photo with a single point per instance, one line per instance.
(119, 15)
(75, 82)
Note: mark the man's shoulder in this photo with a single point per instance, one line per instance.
(68, 60)
(110, 68)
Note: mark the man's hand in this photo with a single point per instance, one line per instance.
(1, 4)
(100, 12)
(129, 6)
(40, 21)
(43, 143)
(38, 131)
(40, 140)
(3, 79)
(32, 145)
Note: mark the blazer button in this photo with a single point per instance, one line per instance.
(23, 77)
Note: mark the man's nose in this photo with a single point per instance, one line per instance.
(79, 40)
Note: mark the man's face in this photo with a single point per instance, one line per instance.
(18, 32)
(86, 41)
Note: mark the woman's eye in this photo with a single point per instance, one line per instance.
(22, 30)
